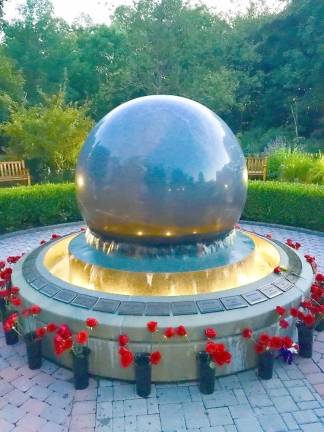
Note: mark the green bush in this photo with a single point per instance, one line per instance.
(25, 207)
(294, 165)
(293, 204)
(274, 202)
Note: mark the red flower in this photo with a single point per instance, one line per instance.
(82, 337)
(290, 243)
(269, 236)
(152, 326)
(297, 245)
(277, 270)
(67, 343)
(26, 312)
(2, 265)
(123, 340)
(4, 293)
(259, 348)
(319, 277)
(42, 242)
(301, 315)
(287, 342)
(247, 333)
(122, 350)
(40, 332)
(51, 327)
(14, 290)
(55, 236)
(276, 342)
(284, 323)
(294, 312)
(13, 259)
(210, 333)
(181, 330)
(155, 357)
(306, 304)
(7, 326)
(169, 332)
(280, 310)
(16, 301)
(264, 339)
(310, 259)
(92, 322)
(309, 320)
(221, 357)
(211, 347)
(35, 310)
(126, 359)
(64, 331)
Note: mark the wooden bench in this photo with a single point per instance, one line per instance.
(257, 166)
(14, 172)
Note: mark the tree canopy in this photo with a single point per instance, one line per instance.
(262, 72)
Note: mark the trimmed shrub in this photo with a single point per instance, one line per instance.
(25, 207)
(293, 204)
(274, 202)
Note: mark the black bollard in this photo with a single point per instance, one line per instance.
(265, 365)
(305, 340)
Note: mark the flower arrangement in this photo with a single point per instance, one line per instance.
(292, 244)
(126, 356)
(219, 355)
(64, 340)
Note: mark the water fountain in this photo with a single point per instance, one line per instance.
(161, 184)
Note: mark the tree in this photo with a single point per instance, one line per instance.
(52, 132)
(11, 86)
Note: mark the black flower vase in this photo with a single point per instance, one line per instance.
(34, 351)
(305, 340)
(206, 374)
(11, 336)
(80, 364)
(265, 365)
(320, 325)
(143, 371)
(2, 308)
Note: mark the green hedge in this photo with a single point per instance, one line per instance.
(275, 202)
(296, 204)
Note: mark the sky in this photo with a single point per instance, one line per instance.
(100, 10)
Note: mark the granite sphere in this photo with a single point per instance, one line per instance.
(161, 169)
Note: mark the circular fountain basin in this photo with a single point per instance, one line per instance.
(228, 310)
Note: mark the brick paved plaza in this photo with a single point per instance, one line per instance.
(45, 400)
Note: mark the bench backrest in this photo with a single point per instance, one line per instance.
(13, 169)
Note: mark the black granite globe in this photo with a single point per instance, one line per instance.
(161, 169)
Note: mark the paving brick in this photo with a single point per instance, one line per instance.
(272, 423)
(135, 407)
(313, 427)
(117, 408)
(248, 424)
(6, 426)
(11, 413)
(39, 392)
(320, 389)
(84, 407)
(31, 423)
(308, 405)
(60, 386)
(43, 379)
(120, 392)
(172, 417)
(34, 406)
(219, 416)
(9, 374)
(195, 415)
(173, 395)
(82, 421)
(87, 394)
(306, 416)
(105, 394)
(220, 399)
(290, 421)
(285, 404)
(316, 378)
(148, 423)
(59, 400)
(16, 397)
(55, 415)
(301, 394)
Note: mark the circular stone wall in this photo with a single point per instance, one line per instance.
(161, 169)
(251, 305)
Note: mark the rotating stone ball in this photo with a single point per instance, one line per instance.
(161, 169)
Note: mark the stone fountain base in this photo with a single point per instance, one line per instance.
(227, 311)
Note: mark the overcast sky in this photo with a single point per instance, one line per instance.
(100, 10)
